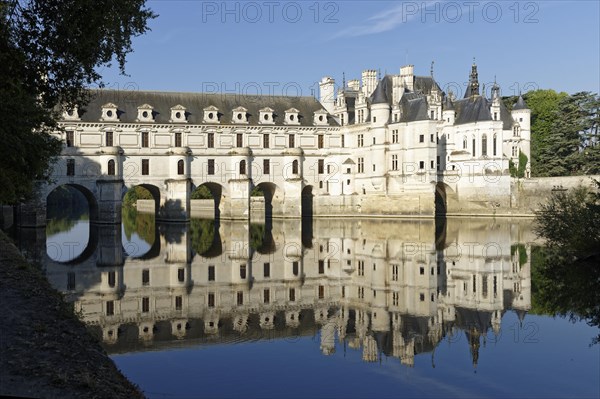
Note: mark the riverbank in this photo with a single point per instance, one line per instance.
(45, 350)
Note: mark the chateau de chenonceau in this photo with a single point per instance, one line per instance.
(391, 146)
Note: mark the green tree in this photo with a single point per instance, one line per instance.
(50, 53)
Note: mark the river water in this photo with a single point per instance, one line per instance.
(323, 308)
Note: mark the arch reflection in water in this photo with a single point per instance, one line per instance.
(384, 288)
(68, 222)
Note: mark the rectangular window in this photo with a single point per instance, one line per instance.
(108, 139)
(266, 167)
(361, 268)
(432, 163)
(111, 279)
(394, 272)
(145, 304)
(266, 295)
(146, 277)
(181, 275)
(178, 302)
(211, 300)
(474, 284)
(321, 266)
(484, 287)
(265, 141)
(70, 281)
(421, 164)
(291, 141)
(145, 167)
(343, 141)
(395, 136)
(360, 140)
(321, 166)
(70, 167)
(421, 138)
(145, 141)
(70, 138)
(292, 294)
(321, 140)
(242, 271)
(395, 297)
(295, 268)
(394, 162)
(321, 292)
(267, 269)
(374, 140)
(110, 308)
(240, 298)
(473, 147)
(211, 273)
(211, 167)
(422, 297)
(361, 165)
(239, 140)
(178, 140)
(431, 138)
(211, 140)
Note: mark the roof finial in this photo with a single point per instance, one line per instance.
(473, 60)
(431, 70)
(344, 80)
(379, 74)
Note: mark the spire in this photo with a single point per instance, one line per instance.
(431, 70)
(474, 81)
(448, 105)
(344, 80)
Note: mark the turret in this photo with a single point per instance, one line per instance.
(380, 107)
(448, 111)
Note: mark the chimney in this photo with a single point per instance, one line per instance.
(326, 93)
(369, 81)
(407, 75)
(354, 84)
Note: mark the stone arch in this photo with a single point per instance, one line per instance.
(218, 193)
(445, 199)
(307, 216)
(273, 201)
(154, 191)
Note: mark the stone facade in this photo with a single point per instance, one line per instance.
(395, 146)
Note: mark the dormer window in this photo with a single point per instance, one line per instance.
(109, 112)
(240, 115)
(266, 116)
(291, 117)
(211, 114)
(145, 113)
(71, 114)
(178, 114)
(320, 118)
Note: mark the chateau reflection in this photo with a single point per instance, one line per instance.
(387, 288)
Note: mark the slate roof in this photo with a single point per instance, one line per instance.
(477, 109)
(194, 103)
(413, 107)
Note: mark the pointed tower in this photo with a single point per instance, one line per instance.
(521, 116)
(473, 87)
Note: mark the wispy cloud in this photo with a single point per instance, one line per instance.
(386, 20)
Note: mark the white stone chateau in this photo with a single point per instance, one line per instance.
(395, 146)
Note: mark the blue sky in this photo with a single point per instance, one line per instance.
(286, 47)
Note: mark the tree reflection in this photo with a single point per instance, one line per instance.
(140, 223)
(566, 287)
(566, 274)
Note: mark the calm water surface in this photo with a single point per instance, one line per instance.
(337, 308)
